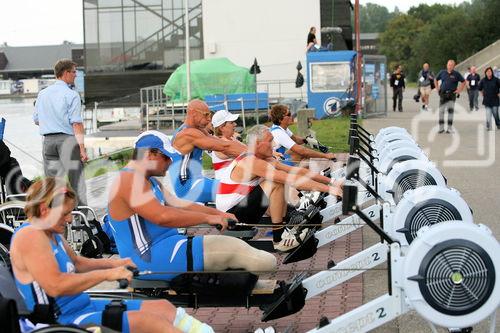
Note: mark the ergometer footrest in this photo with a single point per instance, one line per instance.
(305, 250)
(291, 299)
(216, 284)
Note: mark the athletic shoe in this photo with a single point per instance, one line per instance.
(450, 131)
(441, 131)
(288, 240)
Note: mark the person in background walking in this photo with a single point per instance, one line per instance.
(58, 115)
(425, 84)
(490, 89)
(466, 73)
(472, 81)
(311, 39)
(397, 82)
(496, 72)
(446, 83)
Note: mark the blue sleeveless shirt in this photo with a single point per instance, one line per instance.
(135, 236)
(185, 168)
(33, 294)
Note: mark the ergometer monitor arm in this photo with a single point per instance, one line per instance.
(352, 173)
(349, 204)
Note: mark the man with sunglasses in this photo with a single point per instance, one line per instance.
(189, 142)
(287, 143)
(58, 115)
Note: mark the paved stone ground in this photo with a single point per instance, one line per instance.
(459, 157)
(331, 304)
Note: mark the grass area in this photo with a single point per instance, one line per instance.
(107, 163)
(411, 84)
(330, 132)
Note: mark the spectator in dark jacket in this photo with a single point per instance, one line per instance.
(447, 84)
(311, 39)
(490, 89)
(472, 81)
(397, 82)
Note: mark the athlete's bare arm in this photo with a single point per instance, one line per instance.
(298, 140)
(83, 264)
(310, 153)
(189, 138)
(132, 194)
(189, 206)
(37, 263)
(301, 172)
(261, 168)
(223, 156)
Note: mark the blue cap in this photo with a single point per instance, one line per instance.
(155, 139)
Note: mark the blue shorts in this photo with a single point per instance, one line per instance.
(92, 314)
(287, 160)
(196, 189)
(169, 255)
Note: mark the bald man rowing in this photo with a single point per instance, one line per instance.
(189, 141)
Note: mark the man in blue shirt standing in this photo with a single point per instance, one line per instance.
(58, 115)
(446, 83)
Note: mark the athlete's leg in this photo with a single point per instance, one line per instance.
(223, 252)
(277, 204)
(147, 316)
(133, 320)
(141, 321)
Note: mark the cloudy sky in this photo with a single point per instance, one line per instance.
(43, 22)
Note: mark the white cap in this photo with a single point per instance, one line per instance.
(220, 117)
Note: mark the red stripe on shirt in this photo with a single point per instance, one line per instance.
(220, 165)
(234, 188)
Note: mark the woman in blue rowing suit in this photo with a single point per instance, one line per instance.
(189, 141)
(291, 146)
(145, 217)
(49, 272)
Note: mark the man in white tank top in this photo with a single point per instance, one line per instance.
(253, 184)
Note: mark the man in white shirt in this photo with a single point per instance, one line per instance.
(287, 143)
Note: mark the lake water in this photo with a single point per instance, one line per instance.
(21, 135)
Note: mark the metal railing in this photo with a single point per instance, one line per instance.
(157, 111)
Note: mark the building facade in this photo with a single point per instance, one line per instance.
(27, 62)
(130, 44)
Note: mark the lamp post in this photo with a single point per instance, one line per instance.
(358, 58)
(255, 69)
(187, 57)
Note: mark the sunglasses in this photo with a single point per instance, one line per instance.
(205, 114)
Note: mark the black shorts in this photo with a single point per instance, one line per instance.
(252, 207)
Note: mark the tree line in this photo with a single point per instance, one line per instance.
(432, 33)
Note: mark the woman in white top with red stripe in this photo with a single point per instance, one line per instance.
(224, 125)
